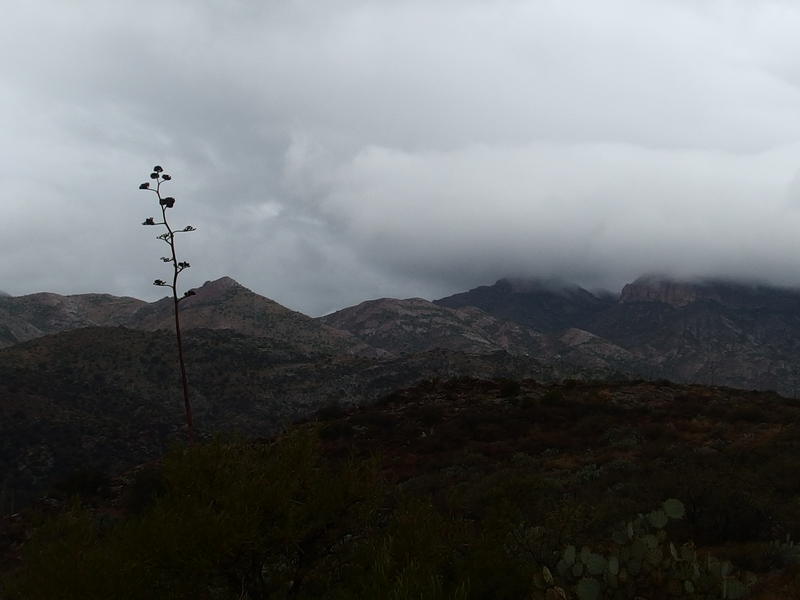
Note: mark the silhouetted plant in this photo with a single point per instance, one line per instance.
(168, 237)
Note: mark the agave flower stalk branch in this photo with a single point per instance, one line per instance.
(168, 238)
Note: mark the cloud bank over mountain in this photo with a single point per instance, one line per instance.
(334, 152)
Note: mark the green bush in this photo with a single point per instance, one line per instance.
(233, 517)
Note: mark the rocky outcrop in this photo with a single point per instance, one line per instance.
(674, 293)
(732, 294)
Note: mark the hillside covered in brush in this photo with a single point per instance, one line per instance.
(105, 398)
(459, 489)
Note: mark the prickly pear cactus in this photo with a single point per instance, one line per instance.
(589, 588)
(674, 508)
(788, 549)
(639, 558)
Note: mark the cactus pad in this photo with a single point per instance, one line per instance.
(674, 508)
(588, 588)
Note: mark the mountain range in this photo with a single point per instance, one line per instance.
(90, 379)
(713, 332)
(219, 304)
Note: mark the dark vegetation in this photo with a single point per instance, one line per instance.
(104, 398)
(458, 489)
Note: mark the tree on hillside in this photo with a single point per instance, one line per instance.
(158, 177)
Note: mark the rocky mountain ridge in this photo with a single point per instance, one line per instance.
(218, 304)
(712, 331)
(26, 317)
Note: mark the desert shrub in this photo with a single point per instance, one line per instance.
(429, 414)
(656, 431)
(509, 388)
(720, 515)
(86, 482)
(336, 430)
(758, 557)
(724, 503)
(552, 397)
(376, 419)
(751, 414)
(413, 559)
(431, 552)
(331, 411)
(234, 517)
(590, 426)
(147, 485)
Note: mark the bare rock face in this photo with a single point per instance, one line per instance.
(667, 291)
(731, 294)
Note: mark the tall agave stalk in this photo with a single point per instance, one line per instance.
(158, 177)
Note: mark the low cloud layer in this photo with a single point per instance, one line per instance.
(348, 150)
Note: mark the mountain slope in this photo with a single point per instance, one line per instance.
(707, 331)
(26, 317)
(108, 398)
(220, 304)
(480, 487)
(416, 325)
(542, 305)
(225, 304)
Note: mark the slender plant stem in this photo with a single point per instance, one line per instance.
(186, 404)
(169, 238)
(175, 270)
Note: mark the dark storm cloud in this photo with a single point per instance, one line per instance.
(329, 152)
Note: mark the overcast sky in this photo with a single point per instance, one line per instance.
(334, 151)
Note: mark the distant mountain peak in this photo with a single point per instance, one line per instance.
(217, 290)
(547, 304)
(5, 294)
(223, 283)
